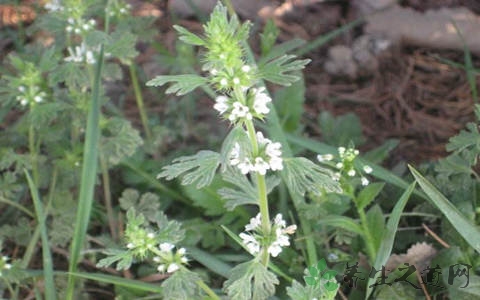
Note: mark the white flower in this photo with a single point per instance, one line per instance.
(245, 166)
(273, 149)
(80, 54)
(260, 101)
(130, 246)
(351, 173)
(53, 6)
(339, 165)
(221, 104)
(261, 139)
(161, 268)
(235, 155)
(254, 223)
(166, 247)
(151, 235)
(250, 242)
(326, 157)
(365, 181)
(172, 268)
(240, 111)
(223, 82)
(157, 259)
(274, 249)
(181, 251)
(261, 166)
(341, 150)
(236, 80)
(367, 169)
(246, 68)
(213, 72)
(276, 163)
(279, 221)
(336, 176)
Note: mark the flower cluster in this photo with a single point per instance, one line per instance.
(79, 25)
(81, 54)
(169, 260)
(269, 157)
(254, 239)
(235, 110)
(30, 95)
(345, 165)
(118, 9)
(54, 6)
(4, 265)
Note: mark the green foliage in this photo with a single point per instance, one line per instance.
(250, 280)
(302, 175)
(118, 141)
(197, 169)
(269, 36)
(181, 285)
(183, 84)
(147, 204)
(279, 69)
(341, 130)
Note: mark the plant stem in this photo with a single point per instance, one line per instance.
(262, 192)
(368, 236)
(139, 98)
(33, 153)
(108, 197)
(207, 290)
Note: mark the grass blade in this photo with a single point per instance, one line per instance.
(89, 169)
(467, 229)
(120, 281)
(46, 254)
(211, 262)
(322, 40)
(389, 236)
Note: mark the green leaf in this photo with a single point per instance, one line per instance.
(312, 290)
(310, 280)
(289, 103)
(120, 281)
(322, 265)
(388, 239)
(123, 259)
(182, 84)
(196, 169)
(87, 184)
(467, 230)
(345, 223)
(269, 36)
(207, 198)
(341, 130)
(188, 37)
(211, 262)
(302, 175)
(376, 225)
(46, 254)
(148, 204)
(119, 140)
(244, 192)
(330, 274)
(276, 70)
(331, 286)
(182, 285)
(122, 46)
(250, 280)
(313, 271)
(368, 194)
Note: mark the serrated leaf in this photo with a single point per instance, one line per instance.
(196, 169)
(169, 230)
(302, 175)
(182, 84)
(119, 140)
(188, 37)
(123, 259)
(368, 194)
(310, 291)
(148, 204)
(277, 70)
(244, 192)
(182, 285)
(122, 45)
(250, 280)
